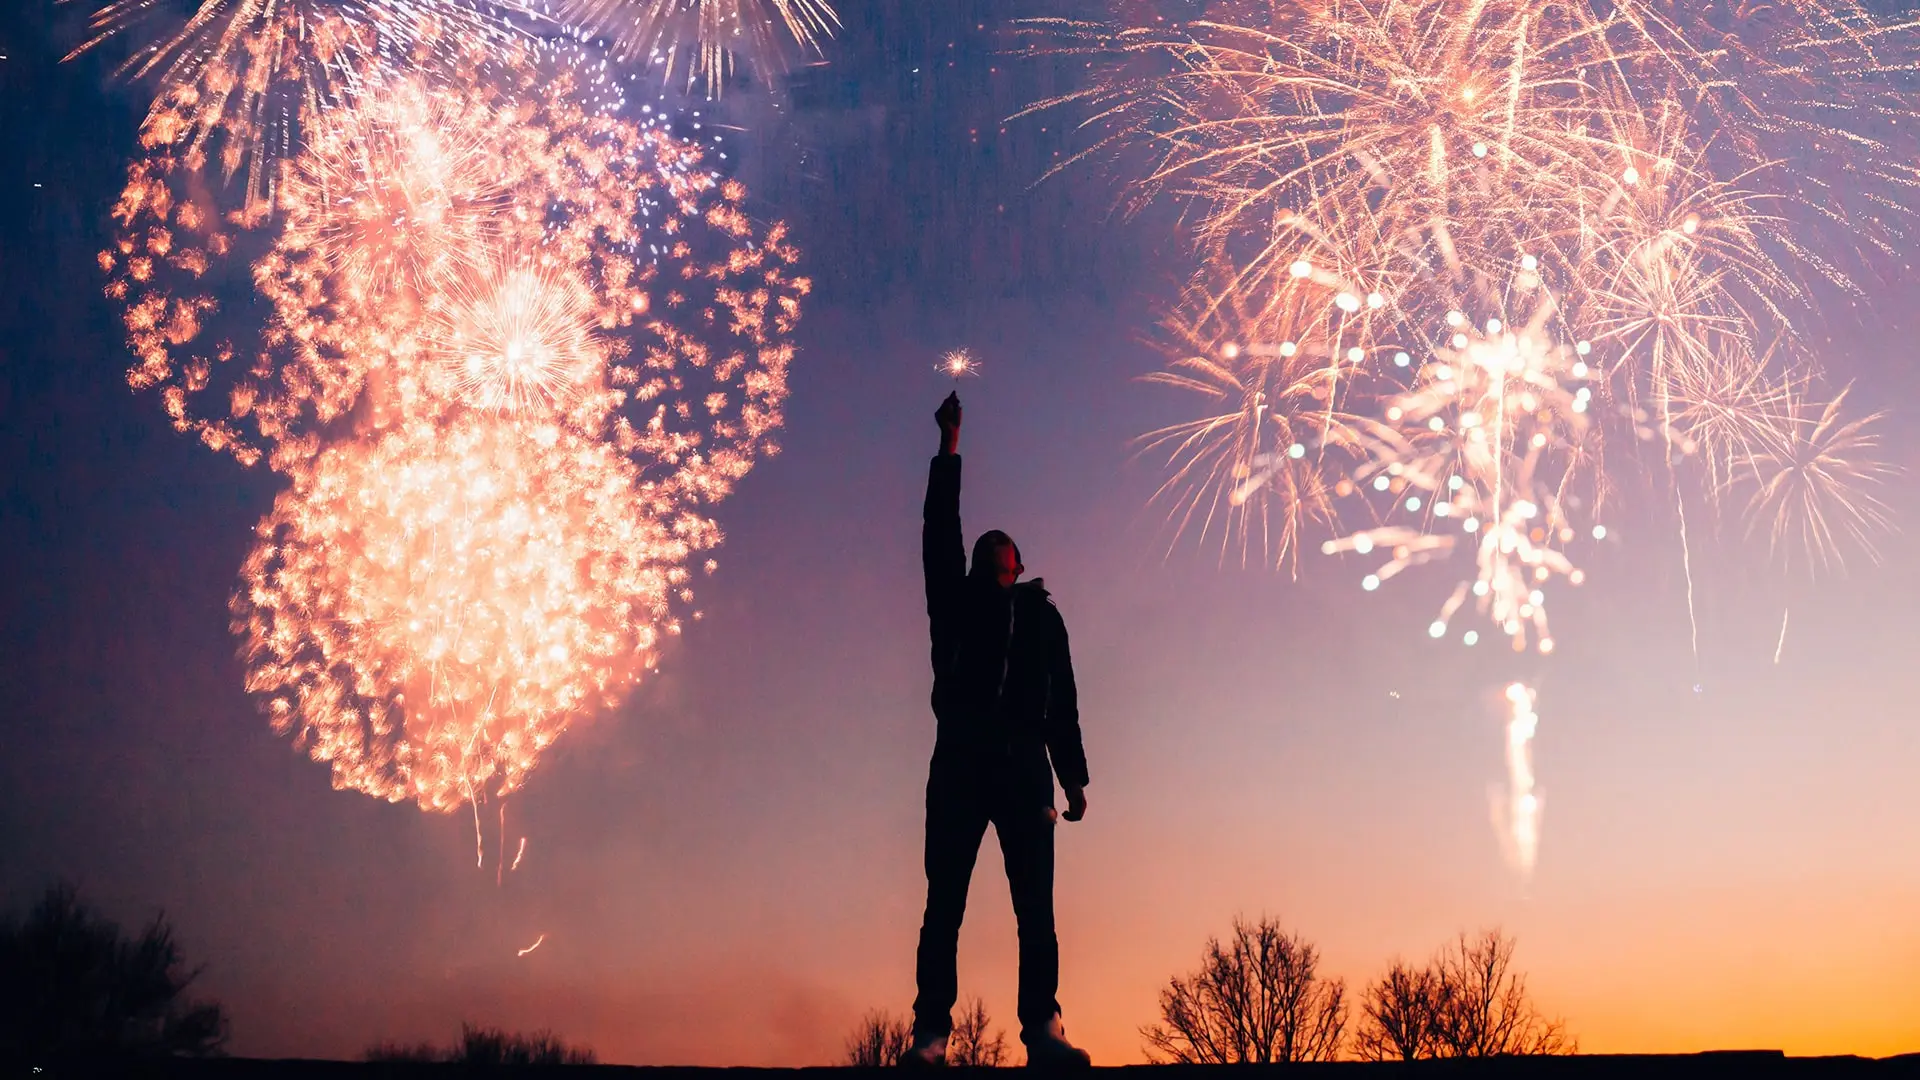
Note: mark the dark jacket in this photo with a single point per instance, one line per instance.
(1003, 688)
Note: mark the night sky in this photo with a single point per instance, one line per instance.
(727, 869)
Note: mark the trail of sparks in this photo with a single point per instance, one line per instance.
(1522, 812)
(535, 945)
(1781, 645)
(1686, 545)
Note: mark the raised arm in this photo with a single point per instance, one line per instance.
(942, 552)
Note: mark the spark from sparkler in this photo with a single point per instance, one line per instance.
(958, 364)
(535, 945)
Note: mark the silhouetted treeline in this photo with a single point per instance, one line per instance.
(882, 1037)
(75, 988)
(1260, 997)
(1467, 1002)
(488, 1047)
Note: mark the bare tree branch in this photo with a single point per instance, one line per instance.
(879, 1040)
(970, 1044)
(1399, 1015)
(1258, 999)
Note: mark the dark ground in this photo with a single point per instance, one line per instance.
(1763, 1063)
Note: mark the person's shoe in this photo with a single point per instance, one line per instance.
(1049, 1048)
(927, 1051)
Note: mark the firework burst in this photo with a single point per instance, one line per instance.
(639, 247)
(1625, 171)
(236, 78)
(1255, 474)
(1816, 478)
(516, 350)
(1625, 212)
(427, 611)
(704, 42)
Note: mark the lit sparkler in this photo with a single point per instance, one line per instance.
(958, 364)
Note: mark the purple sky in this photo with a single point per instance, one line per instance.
(727, 869)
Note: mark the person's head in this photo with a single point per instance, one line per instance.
(996, 556)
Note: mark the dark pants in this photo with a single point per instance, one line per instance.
(960, 804)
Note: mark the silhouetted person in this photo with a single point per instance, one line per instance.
(1004, 699)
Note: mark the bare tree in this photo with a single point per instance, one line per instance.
(488, 1048)
(969, 1044)
(1484, 1009)
(879, 1040)
(494, 1047)
(391, 1053)
(73, 986)
(1399, 1015)
(1467, 1002)
(1258, 999)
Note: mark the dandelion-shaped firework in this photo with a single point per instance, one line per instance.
(517, 350)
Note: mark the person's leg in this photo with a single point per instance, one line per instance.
(956, 822)
(1026, 841)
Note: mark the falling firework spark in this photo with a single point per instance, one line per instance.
(1520, 814)
(535, 945)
